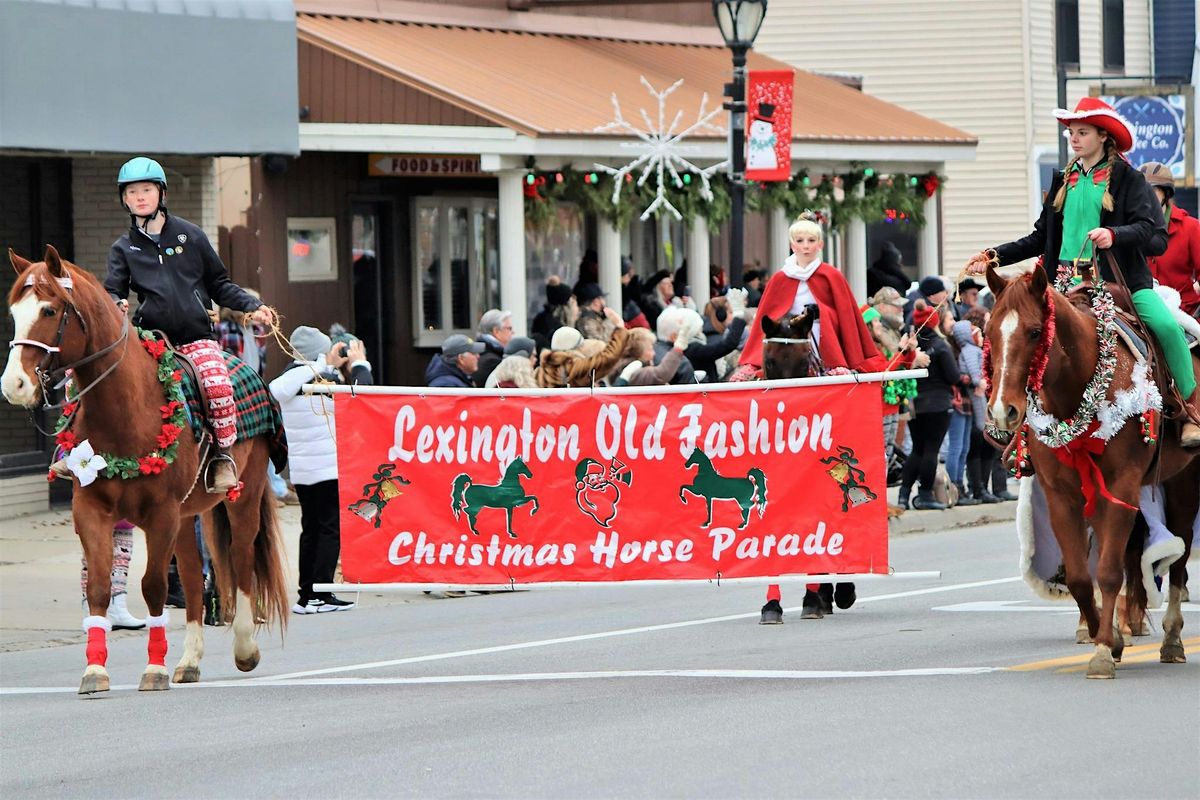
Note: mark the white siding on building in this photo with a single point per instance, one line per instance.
(982, 66)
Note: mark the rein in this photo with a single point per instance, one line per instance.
(55, 378)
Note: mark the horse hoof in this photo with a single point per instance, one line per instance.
(812, 612)
(250, 662)
(1140, 628)
(94, 681)
(844, 595)
(1102, 667)
(772, 613)
(1172, 654)
(154, 679)
(1082, 636)
(1118, 646)
(190, 674)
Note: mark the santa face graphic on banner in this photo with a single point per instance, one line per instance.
(761, 144)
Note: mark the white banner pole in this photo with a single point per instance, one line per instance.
(825, 577)
(754, 386)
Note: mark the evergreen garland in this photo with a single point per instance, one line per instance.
(898, 197)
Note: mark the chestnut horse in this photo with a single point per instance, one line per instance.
(1125, 464)
(62, 318)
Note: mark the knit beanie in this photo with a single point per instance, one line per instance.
(558, 294)
(310, 342)
(922, 314)
(566, 339)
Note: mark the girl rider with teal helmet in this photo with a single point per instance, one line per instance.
(171, 265)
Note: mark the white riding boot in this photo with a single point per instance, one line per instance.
(119, 616)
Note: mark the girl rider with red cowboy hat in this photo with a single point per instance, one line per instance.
(1099, 201)
(176, 273)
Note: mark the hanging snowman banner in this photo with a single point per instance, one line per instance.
(769, 134)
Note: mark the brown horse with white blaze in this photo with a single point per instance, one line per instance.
(64, 319)
(1033, 322)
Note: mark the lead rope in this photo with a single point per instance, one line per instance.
(276, 333)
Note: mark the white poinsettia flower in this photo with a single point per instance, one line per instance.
(84, 464)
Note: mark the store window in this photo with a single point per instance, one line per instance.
(1114, 35)
(1066, 20)
(456, 265)
(553, 248)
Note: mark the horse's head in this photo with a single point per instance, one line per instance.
(48, 328)
(519, 468)
(697, 458)
(787, 348)
(1013, 335)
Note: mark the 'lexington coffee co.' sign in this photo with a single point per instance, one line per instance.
(403, 165)
(1160, 124)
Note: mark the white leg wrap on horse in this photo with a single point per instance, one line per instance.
(160, 621)
(193, 645)
(243, 625)
(96, 622)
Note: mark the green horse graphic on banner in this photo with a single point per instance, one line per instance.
(749, 492)
(466, 495)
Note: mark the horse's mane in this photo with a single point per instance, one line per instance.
(1022, 301)
(87, 295)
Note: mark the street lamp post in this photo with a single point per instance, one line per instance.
(739, 21)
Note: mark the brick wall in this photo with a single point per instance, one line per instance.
(99, 219)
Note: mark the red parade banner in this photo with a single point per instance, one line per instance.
(571, 486)
(769, 124)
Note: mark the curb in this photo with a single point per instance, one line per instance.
(952, 518)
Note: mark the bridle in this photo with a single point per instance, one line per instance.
(52, 377)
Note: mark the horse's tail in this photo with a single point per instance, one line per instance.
(269, 596)
(458, 493)
(760, 489)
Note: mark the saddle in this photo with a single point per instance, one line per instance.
(1133, 331)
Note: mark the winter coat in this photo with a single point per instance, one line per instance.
(703, 356)
(308, 419)
(970, 363)
(559, 368)
(489, 359)
(1136, 222)
(886, 271)
(176, 279)
(1179, 266)
(659, 374)
(441, 372)
(594, 325)
(934, 393)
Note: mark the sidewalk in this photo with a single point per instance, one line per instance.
(40, 555)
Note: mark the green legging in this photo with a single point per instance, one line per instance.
(1162, 324)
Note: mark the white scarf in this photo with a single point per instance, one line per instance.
(794, 270)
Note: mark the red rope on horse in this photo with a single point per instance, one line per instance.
(1080, 455)
(1041, 356)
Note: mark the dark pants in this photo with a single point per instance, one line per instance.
(320, 537)
(981, 458)
(928, 430)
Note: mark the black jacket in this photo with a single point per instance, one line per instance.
(934, 394)
(1136, 221)
(489, 359)
(174, 279)
(704, 356)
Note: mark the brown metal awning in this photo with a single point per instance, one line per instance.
(543, 84)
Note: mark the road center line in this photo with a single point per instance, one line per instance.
(600, 635)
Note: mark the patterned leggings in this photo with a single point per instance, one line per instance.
(210, 364)
(122, 552)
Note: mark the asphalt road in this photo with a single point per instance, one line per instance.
(654, 692)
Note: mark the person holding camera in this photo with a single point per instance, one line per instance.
(312, 455)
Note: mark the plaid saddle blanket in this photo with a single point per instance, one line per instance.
(257, 411)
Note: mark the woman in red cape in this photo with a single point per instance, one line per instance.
(844, 343)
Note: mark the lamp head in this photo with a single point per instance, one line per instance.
(739, 21)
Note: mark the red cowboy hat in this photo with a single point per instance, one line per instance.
(1095, 111)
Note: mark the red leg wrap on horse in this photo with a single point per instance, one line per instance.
(773, 593)
(812, 587)
(97, 647)
(158, 646)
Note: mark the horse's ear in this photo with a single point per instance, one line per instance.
(1039, 280)
(19, 264)
(995, 281)
(769, 326)
(54, 262)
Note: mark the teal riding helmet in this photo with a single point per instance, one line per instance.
(141, 169)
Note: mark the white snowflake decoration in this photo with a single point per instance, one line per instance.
(662, 149)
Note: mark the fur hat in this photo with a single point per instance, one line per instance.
(566, 339)
(1095, 111)
(310, 342)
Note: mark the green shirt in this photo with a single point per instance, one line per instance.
(1081, 210)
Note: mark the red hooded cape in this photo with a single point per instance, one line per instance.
(845, 340)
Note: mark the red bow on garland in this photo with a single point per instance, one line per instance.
(1080, 455)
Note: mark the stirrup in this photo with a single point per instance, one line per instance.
(211, 470)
